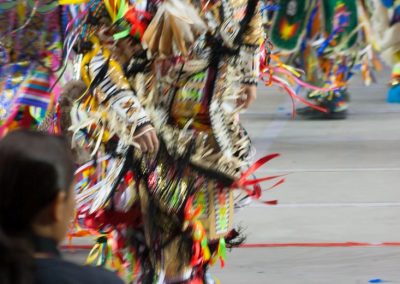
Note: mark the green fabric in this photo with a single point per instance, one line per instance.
(329, 15)
(288, 24)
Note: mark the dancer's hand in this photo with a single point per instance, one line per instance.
(147, 139)
(248, 96)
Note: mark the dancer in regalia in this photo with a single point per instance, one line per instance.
(382, 17)
(31, 38)
(324, 39)
(158, 113)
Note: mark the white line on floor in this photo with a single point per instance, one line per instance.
(331, 205)
(272, 131)
(288, 171)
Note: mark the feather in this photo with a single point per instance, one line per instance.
(154, 27)
(178, 37)
(155, 40)
(177, 20)
(165, 46)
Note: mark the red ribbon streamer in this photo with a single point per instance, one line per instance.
(256, 191)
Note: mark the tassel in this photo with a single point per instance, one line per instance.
(220, 254)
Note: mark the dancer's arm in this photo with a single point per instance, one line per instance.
(250, 59)
(116, 93)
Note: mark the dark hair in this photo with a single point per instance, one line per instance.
(34, 168)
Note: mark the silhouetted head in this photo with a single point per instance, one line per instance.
(36, 197)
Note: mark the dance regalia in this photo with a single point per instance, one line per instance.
(30, 55)
(324, 39)
(383, 21)
(165, 218)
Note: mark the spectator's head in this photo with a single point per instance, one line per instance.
(36, 197)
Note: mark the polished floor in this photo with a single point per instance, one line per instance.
(340, 201)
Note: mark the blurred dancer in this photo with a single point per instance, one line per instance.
(165, 81)
(324, 39)
(31, 38)
(383, 21)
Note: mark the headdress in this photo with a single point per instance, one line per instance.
(127, 20)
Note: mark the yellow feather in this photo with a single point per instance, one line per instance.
(71, 2)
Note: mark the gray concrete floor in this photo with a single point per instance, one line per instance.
(343, 185)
